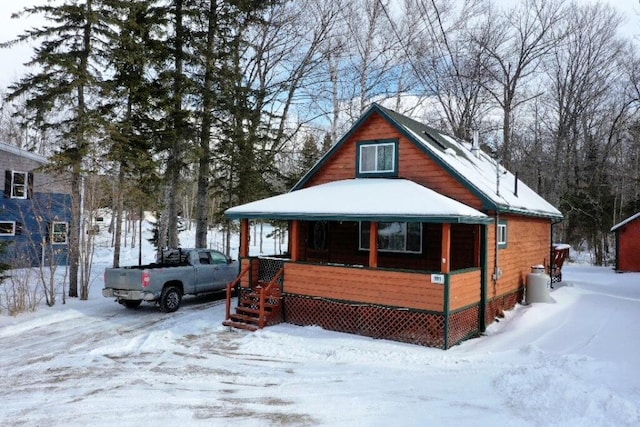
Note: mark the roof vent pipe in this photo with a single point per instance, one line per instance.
(475, 145)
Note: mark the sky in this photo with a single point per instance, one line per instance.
(570, 362)
(11, 60)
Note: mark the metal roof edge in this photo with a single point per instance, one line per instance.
(625, 222)
(23, 153)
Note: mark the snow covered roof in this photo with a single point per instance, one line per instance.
(493, 184)
(23, 153)
(362, 199)
(626, 221)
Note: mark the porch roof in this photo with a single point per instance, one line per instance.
(362, 199)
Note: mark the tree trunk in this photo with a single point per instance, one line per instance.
(202, 194)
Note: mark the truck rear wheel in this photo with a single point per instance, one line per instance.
(132, 303)
(170, 299)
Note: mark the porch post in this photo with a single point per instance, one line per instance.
(373, 245)
(477, 246)
(293, 238)
(244, 238)
(445, 261)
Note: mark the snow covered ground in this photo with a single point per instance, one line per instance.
(572, 362)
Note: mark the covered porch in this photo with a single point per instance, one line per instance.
(412, 269)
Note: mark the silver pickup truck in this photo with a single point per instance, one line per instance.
(175, 273)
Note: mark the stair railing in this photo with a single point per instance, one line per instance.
(230, 287)
(267, 291)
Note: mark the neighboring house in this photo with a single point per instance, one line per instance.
(628, 244)
(35, 210)
(399, 232)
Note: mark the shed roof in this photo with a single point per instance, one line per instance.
(498, 188)
(626, 221)
(362, 199)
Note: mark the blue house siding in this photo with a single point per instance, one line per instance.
(35, 215)
(34, 219)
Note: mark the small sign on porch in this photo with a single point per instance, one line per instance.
(437, 278)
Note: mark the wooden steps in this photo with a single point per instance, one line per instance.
(256, 308)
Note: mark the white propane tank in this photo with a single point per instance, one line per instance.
(538, 285)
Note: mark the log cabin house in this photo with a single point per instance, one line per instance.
(627, 234)
(399, 232)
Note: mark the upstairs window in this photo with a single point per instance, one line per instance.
(378, 158)
(59, 234)
(394, 236)
(18, 185)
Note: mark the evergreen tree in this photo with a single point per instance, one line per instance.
(59, 96)
(127, 108)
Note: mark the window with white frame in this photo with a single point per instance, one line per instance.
(377, 158)
(393, 236)
(7, 228)
(59, 233)
(502, 234)
(19, 185)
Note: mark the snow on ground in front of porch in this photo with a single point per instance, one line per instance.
(569, 362)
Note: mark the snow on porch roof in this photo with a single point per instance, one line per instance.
(362, 199)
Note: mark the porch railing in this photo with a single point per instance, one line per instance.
(273, 291)
(230, 287)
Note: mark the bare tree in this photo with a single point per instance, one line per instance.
(453, 61)
(521, 38)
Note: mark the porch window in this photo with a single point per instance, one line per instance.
(377, 158)
(59, 232)
(394, 236)
(7, 228)
(502, 234)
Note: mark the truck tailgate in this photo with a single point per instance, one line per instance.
(123, 278)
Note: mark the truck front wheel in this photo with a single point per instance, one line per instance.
(170, 299)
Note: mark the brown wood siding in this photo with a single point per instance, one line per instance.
(629, 246)
(464, 289)
(372, 286)
(414, 164)
(528, 243)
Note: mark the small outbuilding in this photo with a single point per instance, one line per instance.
(628, 243)
(399, 232)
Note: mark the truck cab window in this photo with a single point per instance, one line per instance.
(204, 258)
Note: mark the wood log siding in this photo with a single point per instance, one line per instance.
(464, 289)
(414, 164)
(528, 243)
(364, 285)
